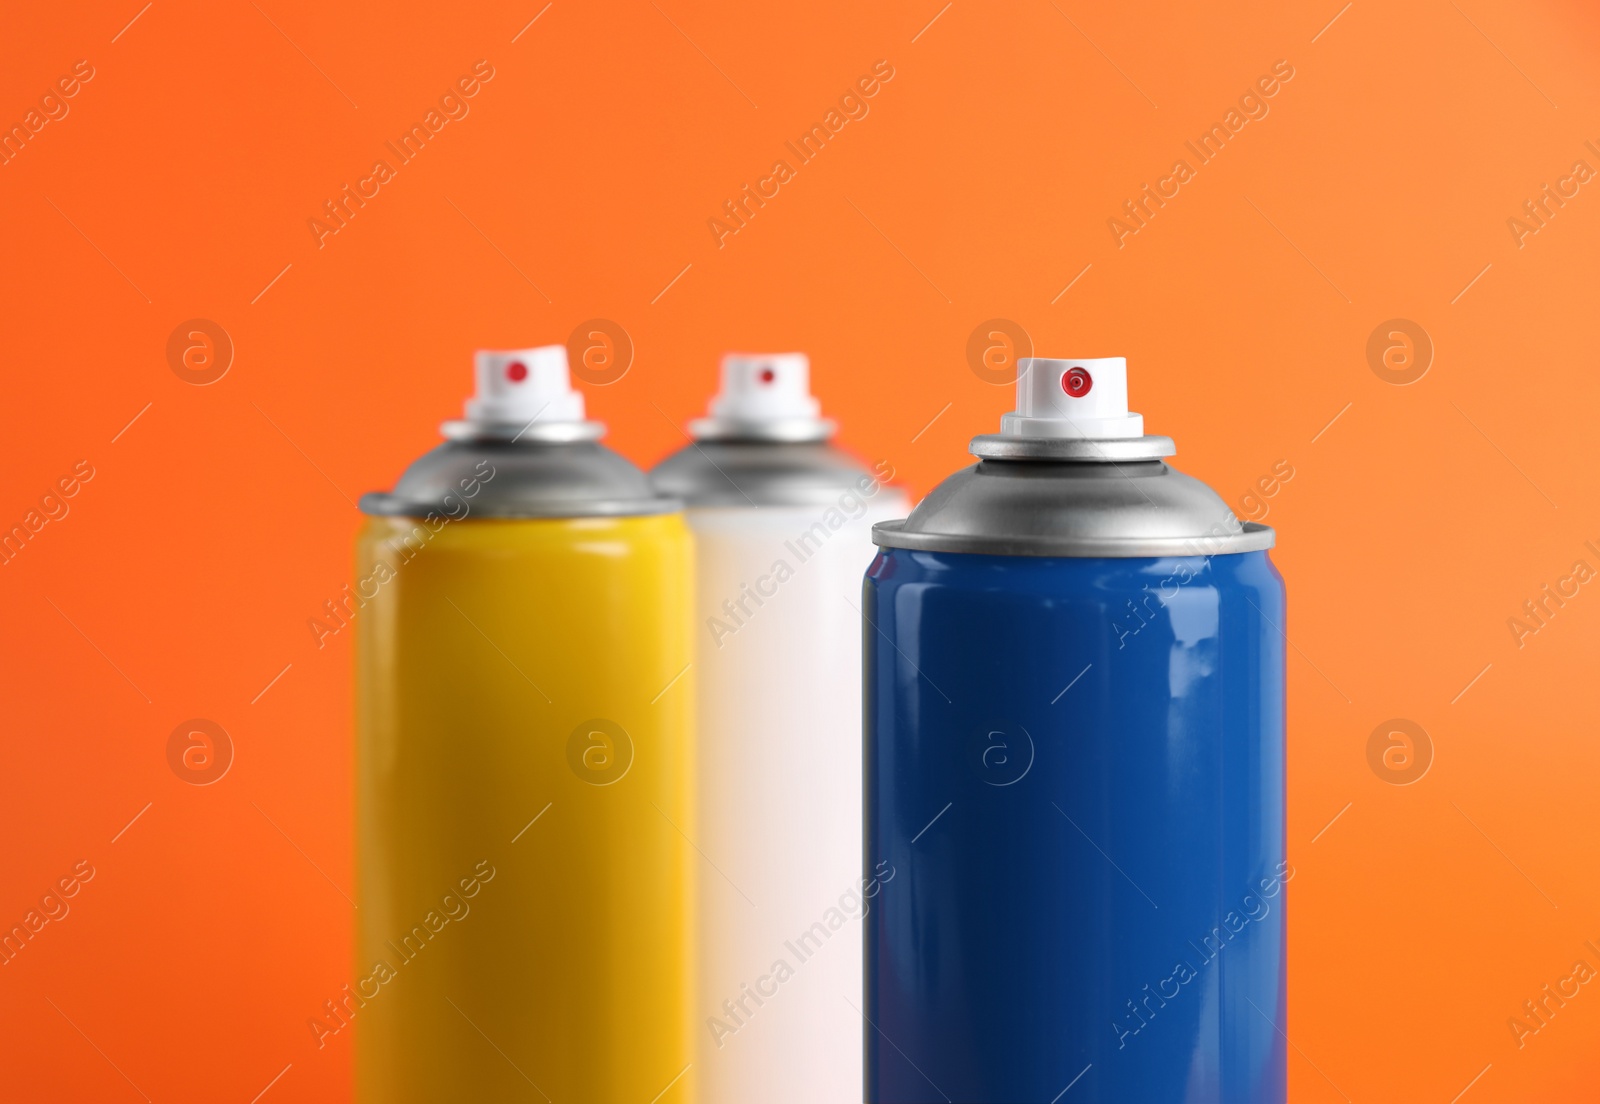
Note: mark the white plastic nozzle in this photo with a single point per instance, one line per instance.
(765, 387)
(518, 386)
(1072, 398)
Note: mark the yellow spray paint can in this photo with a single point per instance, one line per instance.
(523, 765)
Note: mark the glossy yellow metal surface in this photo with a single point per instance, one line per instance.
(523, 808)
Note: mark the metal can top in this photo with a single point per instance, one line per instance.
(765, 443)
(1072, 474)
(524, 450)
(754, 473)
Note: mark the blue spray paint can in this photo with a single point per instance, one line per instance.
(1074, 759)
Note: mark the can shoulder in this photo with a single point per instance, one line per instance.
(754, 473)
(1102, 509)
(520, 479)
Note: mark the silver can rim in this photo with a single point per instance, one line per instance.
(555, 433)
(1251, 537)
(999, 446)
(782, 430)
(384, 504)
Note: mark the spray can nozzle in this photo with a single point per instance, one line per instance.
(1078, 398)
(521, 385)
(764, 396)
(765, 387)
(523, 395)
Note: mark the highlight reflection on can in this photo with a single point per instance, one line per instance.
(781, 521)
(1075, 757)
(523, 764)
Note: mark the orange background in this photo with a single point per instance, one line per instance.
(979, 185)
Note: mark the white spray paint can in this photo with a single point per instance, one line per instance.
(781, 522)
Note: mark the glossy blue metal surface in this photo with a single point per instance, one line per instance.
(1076, 770)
